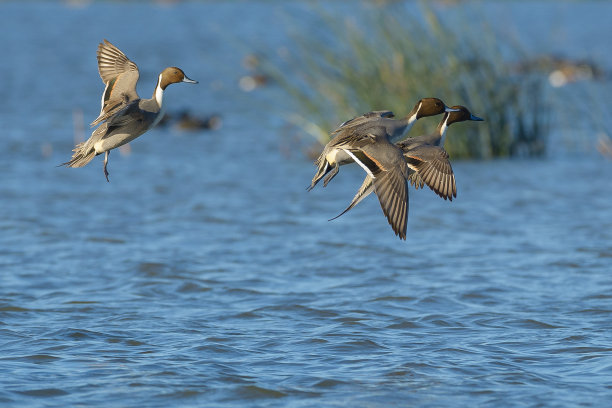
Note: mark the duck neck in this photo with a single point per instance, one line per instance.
(409, 120)
(413, 115)
(442, 128)
(158, 95)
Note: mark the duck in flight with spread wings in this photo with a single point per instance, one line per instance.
(333, 155)
(427, 161)
(124, 115)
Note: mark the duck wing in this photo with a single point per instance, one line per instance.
(120, 76)
(366, 117)
(129, 115)
(432, 167)
(388, 172)
(392, 191)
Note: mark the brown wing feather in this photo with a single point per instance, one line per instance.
(432, 167)
(120, 76)
(392, 191)
(112, 62)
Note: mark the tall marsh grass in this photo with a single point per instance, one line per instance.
(388, 57)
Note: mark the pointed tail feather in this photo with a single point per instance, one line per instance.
(331, 174)
(322, 170)
(83, 154)
(366, 188)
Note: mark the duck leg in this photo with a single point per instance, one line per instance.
(105, 163)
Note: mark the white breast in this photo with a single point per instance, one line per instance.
(337, 156)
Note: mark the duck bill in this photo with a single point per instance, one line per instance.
(476, 118)
(447, 109)
(189, 81)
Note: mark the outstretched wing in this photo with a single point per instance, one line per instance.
(120, 76)
(388, 171)
(432, 167)
(392, 191)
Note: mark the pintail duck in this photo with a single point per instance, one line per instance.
(388, 171)
(426, 159)
(124, 115)
(334, 155)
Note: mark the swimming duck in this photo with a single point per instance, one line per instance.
(124, 115)
(349, 133)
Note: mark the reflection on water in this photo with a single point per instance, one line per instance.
(205, 275)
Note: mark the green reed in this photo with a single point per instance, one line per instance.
(388, 58)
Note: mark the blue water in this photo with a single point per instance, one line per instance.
(205, 275)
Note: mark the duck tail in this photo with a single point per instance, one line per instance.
(322, 169)
(83, 154)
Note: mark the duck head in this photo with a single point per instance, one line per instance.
(430, 107)
(461, 114)
(173, 75)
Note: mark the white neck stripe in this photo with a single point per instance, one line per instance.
(413, 118)
(443, 131)
(159, 92)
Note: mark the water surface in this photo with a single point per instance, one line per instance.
(205, 275)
